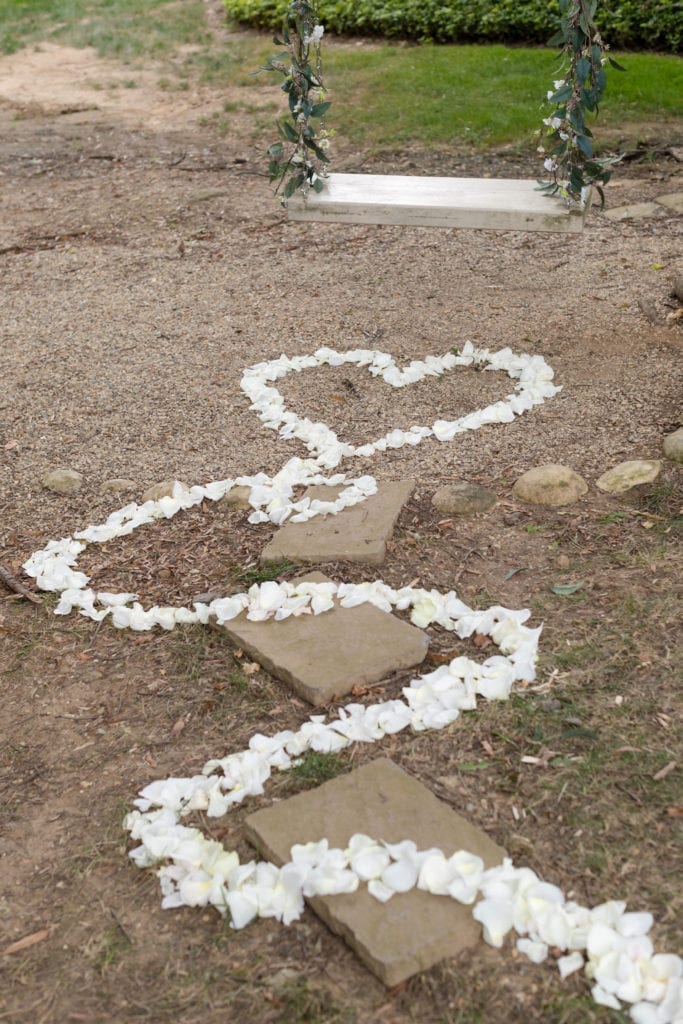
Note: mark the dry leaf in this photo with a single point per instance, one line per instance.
(10, 445)
(250, 667)
(26, 942)
(481, 640)
(663, 772)
(442, 658)
(178, 727)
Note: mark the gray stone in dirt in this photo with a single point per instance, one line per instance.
(162, 490)
(636, 211)
(414, 930)
(206, 194)
(673, 201)
(322, 656)
(630, 474)
(62, 481)
(677, 153)
(677, 289)
(463, 499)
(237, 497)
(118, 485)
(357, 534)
(673, 446)
(551, 484)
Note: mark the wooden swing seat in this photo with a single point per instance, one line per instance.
(496, 204)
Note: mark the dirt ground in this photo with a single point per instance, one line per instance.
(143, 264)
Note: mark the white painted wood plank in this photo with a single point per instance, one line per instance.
(488, 203)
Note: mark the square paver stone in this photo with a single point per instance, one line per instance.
(356, 534)
(326, 655)
(414, 930)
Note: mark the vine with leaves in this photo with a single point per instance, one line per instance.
(298, 160)
(570, 161)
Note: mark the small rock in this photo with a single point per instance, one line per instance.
(62, 481)
(677, 289)
(237, 497)
(118, 485)
(512, 518)
(551, 705)
(463, 499)
(562, 562)
(206, 194)
(208, 596)
(649, 310)
(637, 211)
(551, 484)
(629, 474)
(673, 201)
(284, 977)
(673, 446)
(162, 490)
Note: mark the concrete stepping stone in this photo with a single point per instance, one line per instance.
(673, 201)
(414, 930)
(636, 211)
(327, 655)
(357, 534)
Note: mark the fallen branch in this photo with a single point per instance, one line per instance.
(17, 587)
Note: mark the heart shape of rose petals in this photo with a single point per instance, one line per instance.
(534, 384)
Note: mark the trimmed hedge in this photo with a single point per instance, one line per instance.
(639, 24)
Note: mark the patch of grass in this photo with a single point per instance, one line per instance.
(238, 681)
(664, 500)
(115, 944)
(572, 656)
(302, 1003)
(126, 29)
(315, 768)
(264, 573)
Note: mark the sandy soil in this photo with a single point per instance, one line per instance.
(143, 265)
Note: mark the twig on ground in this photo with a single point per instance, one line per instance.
(18, 588)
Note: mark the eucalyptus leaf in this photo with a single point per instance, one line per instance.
(565, 589)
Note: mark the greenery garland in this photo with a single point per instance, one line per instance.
(300, 156)
(571, 162)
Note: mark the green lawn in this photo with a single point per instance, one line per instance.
(117, 28)
(382, 94)
(484, 94)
